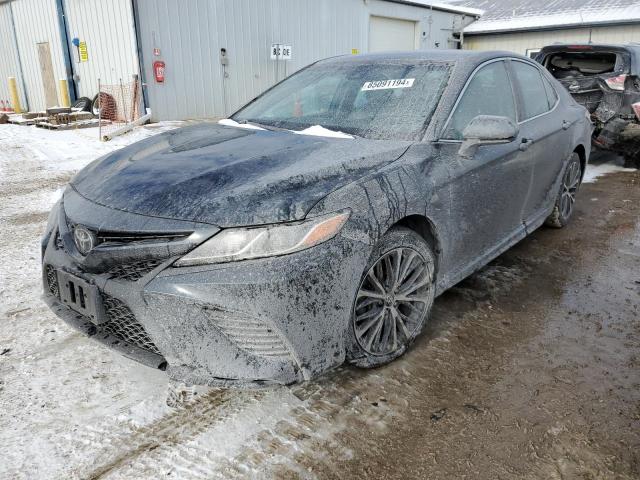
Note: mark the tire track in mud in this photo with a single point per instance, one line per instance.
(125, 448)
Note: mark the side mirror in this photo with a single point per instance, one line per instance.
(487, 130)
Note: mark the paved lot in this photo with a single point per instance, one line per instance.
(529, 369)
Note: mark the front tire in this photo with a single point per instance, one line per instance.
(394, 299)
(563, 208)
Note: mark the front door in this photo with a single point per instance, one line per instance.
(488, 191)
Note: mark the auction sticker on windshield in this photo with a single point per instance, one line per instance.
(385, 84)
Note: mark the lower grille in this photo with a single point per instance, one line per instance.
(134, 271)
(122, 323)
(250, 334)
(52, 281)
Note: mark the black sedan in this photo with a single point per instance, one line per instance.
(319, 222)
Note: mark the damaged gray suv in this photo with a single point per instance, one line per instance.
(320, 221)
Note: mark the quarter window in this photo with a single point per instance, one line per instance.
(488, 93)
(535, 100)
(552, 96)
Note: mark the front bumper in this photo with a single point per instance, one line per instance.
(275, 320)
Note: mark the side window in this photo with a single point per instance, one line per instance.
(552, 95)
(535, 99)
(488, 93)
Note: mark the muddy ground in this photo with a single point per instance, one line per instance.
(529, 369)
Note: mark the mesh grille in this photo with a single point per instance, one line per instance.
(122, 323)
(250, 334)
(52, 280)
(134, 271)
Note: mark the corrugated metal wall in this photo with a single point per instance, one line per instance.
(106, 27)
(108, 30)
(8, 54)
(524, 41)
(191, 33)
(36, 21)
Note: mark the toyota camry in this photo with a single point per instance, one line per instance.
(317, 224)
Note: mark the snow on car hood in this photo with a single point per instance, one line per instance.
(230, 176)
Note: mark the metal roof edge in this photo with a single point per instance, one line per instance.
(558, 26)
(443, 7)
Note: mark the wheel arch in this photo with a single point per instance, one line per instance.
(424, 227)
(582, 153)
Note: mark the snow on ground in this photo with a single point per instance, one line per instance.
(69, 408)
(597, 167)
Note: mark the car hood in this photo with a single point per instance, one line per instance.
(230, 176)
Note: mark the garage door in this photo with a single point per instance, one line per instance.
(391, 34)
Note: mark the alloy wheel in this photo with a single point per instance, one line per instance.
(393, 298)
(570, 184)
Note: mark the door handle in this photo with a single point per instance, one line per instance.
(565, 125)
(525, 144)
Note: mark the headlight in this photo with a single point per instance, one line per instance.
(245, 243)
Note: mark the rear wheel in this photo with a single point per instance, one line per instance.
(566, 200)
(394, 298)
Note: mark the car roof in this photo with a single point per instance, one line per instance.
(437, 55)
(466, 61)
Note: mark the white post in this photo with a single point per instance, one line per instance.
(99, 113)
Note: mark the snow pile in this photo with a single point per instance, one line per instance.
(232, 123)
(320, 131)
(316, 130)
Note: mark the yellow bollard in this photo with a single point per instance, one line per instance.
(15, 98)
(64, 93)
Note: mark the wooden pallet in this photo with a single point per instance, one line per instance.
(18, 120)
(73, 125)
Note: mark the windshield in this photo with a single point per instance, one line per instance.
(372, 100)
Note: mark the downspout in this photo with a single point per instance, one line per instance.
(143, 77)
(18, 58)
(66, 52)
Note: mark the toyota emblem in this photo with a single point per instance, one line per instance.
(84, 239)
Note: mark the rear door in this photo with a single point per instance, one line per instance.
(544, 125)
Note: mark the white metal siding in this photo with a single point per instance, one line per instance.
(190, 34)
(108, 30)
(520, 42)
(36, 21)
(8, 55)
(387, 34)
